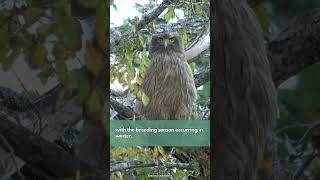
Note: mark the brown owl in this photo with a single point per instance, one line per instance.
(168, 81)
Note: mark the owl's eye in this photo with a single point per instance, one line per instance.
(160, 40)
(172, 39)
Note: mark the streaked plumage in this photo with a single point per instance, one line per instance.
(168, 82)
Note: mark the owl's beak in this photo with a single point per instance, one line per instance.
(165, 43)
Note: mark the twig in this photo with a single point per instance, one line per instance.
(305, 164)
(291, 126)
(11, 152)
(154, 14)
(304, 138)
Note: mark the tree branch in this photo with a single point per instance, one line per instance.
(40, 153)
(154, 14)
(195, 25)
(137, 164)
(12, 156)
(199, 45)
(296, 48)
(123, 111)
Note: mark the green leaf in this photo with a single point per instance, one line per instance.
(169, 14)
(180, 174)
(131, 153)
(39, 56)
(77, 174)
(117, 151)
(4, 40)
(142, 70)
(137, 60)
(60, 51)
(184, 36)
(101, 25)
(94, 60)
(93, 102)
(134, 88)
(62, 71)
(196, 166)
(70, 32)
(45, 30)
(61, 7)
(263, 17)
(155, 153)
(198, 9)
(145, 99)
(141, 40)
(139, 94)
(93, 106)
(284, 114)
(192, 67)
(82, 82)
(139, 80)
(161, 150)
(122, 79)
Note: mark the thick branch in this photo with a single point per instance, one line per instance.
(200, 45)
(296, 48)
(40, 153)
(123, 111)
(131, 165)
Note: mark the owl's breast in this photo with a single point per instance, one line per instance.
(170, 76)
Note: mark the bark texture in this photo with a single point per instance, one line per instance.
(37, 152)
(245, 96)
(296, 48)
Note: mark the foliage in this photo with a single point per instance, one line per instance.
(297, 130)
(127, 68)
(128, 63)
(31, 29)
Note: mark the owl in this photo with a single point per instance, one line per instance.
(168, 81)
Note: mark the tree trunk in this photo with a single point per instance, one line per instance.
(245, 103)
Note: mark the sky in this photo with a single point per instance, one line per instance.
(125, 10)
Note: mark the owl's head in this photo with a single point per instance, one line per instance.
(166, 43)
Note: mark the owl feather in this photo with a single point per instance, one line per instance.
(168, 81)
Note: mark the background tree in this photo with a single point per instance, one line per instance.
(63, 43)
